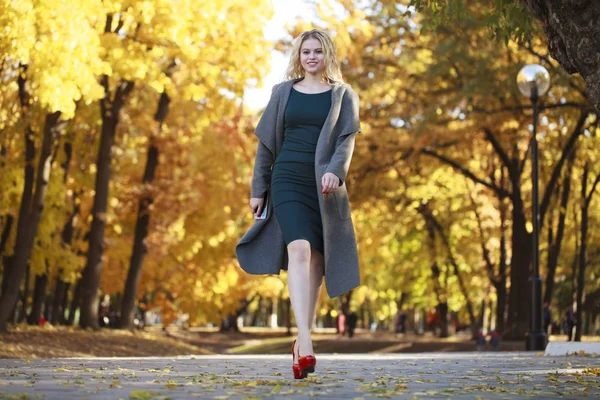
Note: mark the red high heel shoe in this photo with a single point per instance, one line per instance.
(307, 364)
(295, 367)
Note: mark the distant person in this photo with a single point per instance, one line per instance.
(341, 324)
(431, 319)
(547, 316)
(352, 320)
(480, 340)
(569, 322)
(403, 319)
(400, 322)
(306, 141)
(495, 340)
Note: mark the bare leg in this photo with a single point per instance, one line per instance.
(316, 281)
(299, 288)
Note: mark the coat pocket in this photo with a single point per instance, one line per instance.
(341, 202)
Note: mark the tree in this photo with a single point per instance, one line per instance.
(572, 40)
(29, 45)
(143, 220)
(586, 199)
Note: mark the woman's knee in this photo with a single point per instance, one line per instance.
(299, 251)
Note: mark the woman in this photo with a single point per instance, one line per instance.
(306, 142)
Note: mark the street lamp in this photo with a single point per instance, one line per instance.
(534, 81)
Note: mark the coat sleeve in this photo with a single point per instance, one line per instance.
(261, 178)
(263, 162)
(344, 147)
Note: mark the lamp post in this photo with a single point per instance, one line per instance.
(533, 81)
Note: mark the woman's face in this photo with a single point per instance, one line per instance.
(312, 56)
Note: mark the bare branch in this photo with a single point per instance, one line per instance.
(501, 192)
(528, 107)
(558, 167)
(498, 147)
(588, 198)
(486, 254)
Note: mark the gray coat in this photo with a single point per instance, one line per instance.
(262, 249)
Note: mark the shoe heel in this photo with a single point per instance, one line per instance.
(308, 370)
(298, 374)
(307, 364)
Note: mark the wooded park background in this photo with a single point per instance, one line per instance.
(126, 155)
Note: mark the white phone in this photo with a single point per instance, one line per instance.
(263, 214)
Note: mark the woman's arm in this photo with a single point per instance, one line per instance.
(340, 161)
(344, 147)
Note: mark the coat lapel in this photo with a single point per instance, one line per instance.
(324, 143)
(284, 96)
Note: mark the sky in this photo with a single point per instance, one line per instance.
(285, 12)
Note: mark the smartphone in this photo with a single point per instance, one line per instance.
(263, 213)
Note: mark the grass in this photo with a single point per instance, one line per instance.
(27, 342)
(37, 342)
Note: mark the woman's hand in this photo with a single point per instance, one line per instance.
(256, 203)
(330, 182)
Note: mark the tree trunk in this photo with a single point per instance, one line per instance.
(519, 298)
(139, 244)
(554, 245)
(501, 292)
(229, 323)
(74, 303)
(39, 294)
(61, 288)
(269, 312)
(3, 240)
(481, 319)
(48, 306)
(31, 212)
(582, 254)
(442, 310)
(440, 291)
(8, 299)
(6, 266)
(65, 303)
(438, 288)
(58, 311)
(6, 233)
(142, 224)
(501, 295)
(585, 203)
(572, 40)
(280, 309)
(461, 283)
(491, 316)
(110, 111)
(256, 312)
(24, 296)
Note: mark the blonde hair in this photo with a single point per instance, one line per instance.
(332, 72)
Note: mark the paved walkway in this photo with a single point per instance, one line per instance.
(362, 376)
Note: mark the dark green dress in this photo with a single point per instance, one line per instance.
(293, 182)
